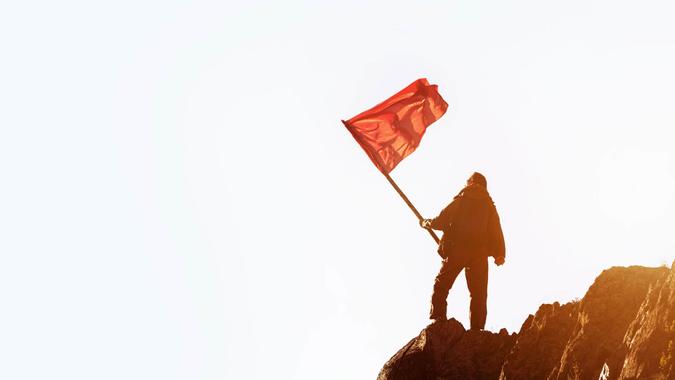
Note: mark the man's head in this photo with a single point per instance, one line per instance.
(477, 179)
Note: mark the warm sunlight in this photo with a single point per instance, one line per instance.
(634, 187)
(181, 200)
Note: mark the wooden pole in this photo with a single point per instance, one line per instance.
(398, 189)
(407, 201)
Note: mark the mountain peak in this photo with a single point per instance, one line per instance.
(623, 328)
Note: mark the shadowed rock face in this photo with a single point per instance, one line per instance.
(445, 350)
(546, 332)
(623, 328)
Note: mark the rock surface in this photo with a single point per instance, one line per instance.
(623, 328)
(648, 343)
(547, 331)
(445, 350)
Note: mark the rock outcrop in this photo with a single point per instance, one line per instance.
(445, 350)
(623, 328)
(648, 343)
(547, 331)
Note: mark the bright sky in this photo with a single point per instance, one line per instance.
(179, 199)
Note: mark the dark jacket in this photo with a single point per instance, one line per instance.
(471, 222)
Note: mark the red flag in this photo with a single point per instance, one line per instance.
(392, 130)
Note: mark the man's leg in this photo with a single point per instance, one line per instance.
(477, 282)
(444, 280)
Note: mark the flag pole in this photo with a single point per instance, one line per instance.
(407, 201)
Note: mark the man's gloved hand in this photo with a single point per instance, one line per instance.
(499, 260)
(425, 223)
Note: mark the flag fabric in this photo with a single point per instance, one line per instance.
(393, 129)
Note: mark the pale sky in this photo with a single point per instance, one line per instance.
(179, 199)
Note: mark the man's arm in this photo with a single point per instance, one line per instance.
(497, 237)
(443, 219)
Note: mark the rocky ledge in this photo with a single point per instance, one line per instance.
(623, 329)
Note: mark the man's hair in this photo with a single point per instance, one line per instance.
(478, 178)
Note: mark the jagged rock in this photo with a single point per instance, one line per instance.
(577, 340)
(545, 334)
(623, 328)
(605, 312)
(477, 355)
(446, 351)
(649, 339)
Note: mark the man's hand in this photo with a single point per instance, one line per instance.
(425, 223)
(499, 260)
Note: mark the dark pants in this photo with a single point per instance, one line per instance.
(476, 271)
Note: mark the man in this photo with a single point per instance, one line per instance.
(471, 233)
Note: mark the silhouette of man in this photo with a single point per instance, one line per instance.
(471, 233)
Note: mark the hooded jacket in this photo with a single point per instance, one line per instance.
(471, 222)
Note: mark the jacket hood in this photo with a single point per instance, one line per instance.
(474, 192)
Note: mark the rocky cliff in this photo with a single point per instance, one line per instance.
(623, 329)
